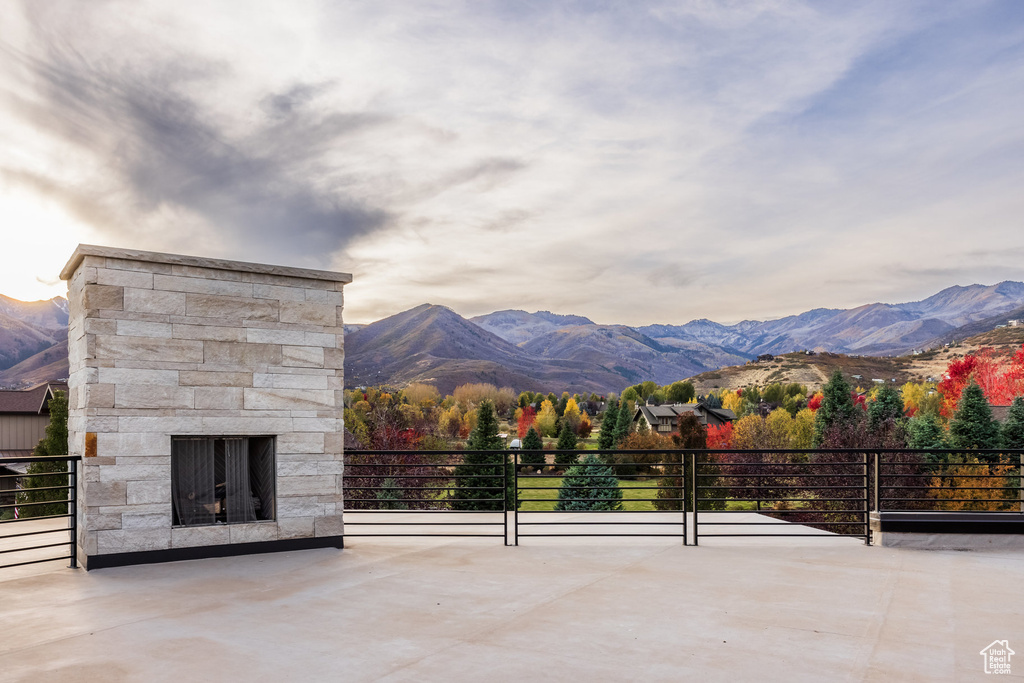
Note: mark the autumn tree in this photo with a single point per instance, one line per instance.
(525, 421)
(571, 416)
(585, 428)
(546, 419)
(720, 436)
(801, 435)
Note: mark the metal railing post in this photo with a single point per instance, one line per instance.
(515, 496)
(683, 480)
(73, 509)
(504, 497)
(693, 474)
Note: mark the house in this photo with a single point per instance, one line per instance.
(24, 415)
(662, 419)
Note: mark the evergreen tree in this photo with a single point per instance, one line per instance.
(478, 480)
(606, 439)
(836, 409)
(887, 407)
(926, 433)
(624, 423)
(590, 485)
(47, 474)
(973, 425)
(390, 496)
(566, 442)
(533, 453)
(711, 400)
(1013, 428)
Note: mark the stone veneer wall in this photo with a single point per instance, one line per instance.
(163, 345)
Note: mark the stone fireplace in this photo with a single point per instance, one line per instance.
(205, 397)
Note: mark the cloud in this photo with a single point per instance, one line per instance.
(743, 160)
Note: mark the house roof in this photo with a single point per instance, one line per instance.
(1000, 413)
(653, 413)
(29, 401)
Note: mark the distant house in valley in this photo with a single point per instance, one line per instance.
(663, 418)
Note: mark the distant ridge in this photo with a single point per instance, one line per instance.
(555, 352)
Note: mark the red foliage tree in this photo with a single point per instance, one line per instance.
(815, 401)
(1000, 381)
(526, 420)
(720, 436)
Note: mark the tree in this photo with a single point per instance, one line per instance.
(571, 416)
(525, 421)
(624, 423)
(925, 432)
(887, 406)
(47, 474)
(973, 425)
(1013, 428)
(802, 430)
(533, 449)
(837, 406)
(606, 439)
(585, 428)
(681, 392)
(691, 434)
(546, 419)
(479, 479)
(566, 454)
(590, 485)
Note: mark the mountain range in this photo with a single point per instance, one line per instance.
(544, 350)
(33, 340)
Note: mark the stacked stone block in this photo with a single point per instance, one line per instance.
(163, 345)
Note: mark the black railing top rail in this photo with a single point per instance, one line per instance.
(610, 451)
(41, 458)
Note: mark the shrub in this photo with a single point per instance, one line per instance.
(591, 485)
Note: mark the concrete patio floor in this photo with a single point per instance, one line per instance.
(613, 609)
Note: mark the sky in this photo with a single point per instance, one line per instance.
(634, 162)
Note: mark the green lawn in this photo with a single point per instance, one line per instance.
(543, 498)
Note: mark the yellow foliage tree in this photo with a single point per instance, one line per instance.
(572, 415)
(921, 398)
(779, 428)
(801, 430)
(546, 419)
(956, 489)
(731, 400)
(748, 432)
(450, 422)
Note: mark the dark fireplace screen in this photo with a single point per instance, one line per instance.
(222, 480)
